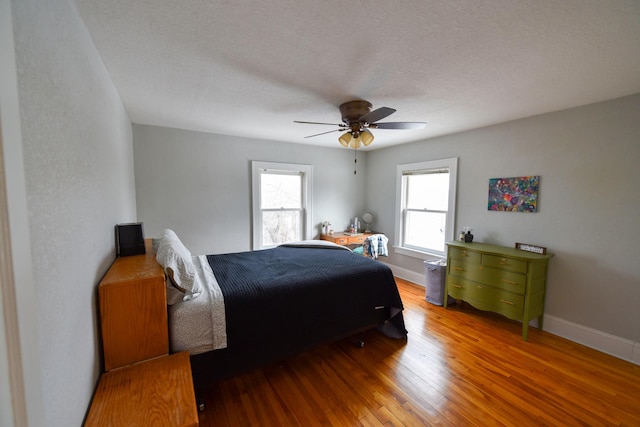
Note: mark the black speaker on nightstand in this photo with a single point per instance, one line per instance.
(130, 239)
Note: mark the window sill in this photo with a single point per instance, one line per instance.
(417, 254)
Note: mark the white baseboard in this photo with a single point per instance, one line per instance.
(621, 348)
(410, 275)
(636, 354)
(616, 346)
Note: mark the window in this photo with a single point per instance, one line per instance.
(425, 207)
(281, 203)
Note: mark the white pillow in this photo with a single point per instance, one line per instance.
(174, 295)
(177, 262)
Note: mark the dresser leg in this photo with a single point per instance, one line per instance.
(540, 322)
(525, 328)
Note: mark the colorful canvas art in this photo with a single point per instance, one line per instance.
(518, 194)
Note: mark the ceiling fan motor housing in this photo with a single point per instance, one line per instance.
(352, 111)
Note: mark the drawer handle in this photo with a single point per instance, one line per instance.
(479, 287)
(507, 302)
(456, 286)
(458, 268)
(504, 261)
(511, 282)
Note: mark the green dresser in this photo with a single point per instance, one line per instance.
(495, 278)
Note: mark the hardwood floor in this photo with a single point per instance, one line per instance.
(458, 367)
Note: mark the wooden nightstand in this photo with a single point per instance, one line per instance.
(157, 392)
(133, 310)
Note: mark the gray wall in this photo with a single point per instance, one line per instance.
(78, 168)
(589, 203)
(587, 159)
(199, 185)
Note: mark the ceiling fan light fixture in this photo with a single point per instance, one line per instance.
(366, 137)
(356, 140)
(345, 139)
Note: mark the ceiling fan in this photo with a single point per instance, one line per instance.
(357, 119)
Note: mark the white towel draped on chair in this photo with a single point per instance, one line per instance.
(375, 245)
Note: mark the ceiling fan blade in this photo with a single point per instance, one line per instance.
(318, 123)
(399, 125)
(377, 114)
(318, 134)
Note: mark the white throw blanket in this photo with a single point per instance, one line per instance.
(375, 245)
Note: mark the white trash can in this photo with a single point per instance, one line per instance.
(435, 273)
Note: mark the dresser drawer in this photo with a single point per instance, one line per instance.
(344, 240)
(506, 303)
(356, 240)
(487, 297)
(504, 263)
(341, 240)
(459, 268)
(462, 254)
(512, 282)
(464, 289)
(458, 287)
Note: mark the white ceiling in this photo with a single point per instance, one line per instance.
(250, 68)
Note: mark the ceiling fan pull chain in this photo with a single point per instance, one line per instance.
(355, 160)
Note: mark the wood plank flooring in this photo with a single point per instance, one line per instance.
(459, 367)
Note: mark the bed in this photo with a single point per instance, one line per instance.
(237, 311)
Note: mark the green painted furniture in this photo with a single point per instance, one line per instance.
(496, 278)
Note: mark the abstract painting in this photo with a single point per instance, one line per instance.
(519, 194)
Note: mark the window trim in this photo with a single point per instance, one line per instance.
(401, 170)
(307, 197)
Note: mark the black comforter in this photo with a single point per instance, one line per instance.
(283, 300)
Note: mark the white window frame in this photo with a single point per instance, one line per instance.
(452, 165)
(257, 167)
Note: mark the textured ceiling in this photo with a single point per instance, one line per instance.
(250, 68)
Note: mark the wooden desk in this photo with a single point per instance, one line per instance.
(157, 392)
(345, 240)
